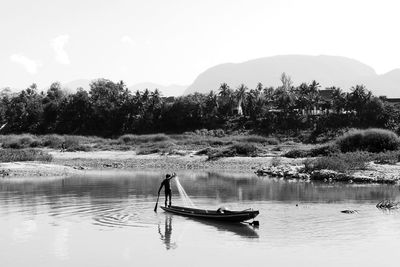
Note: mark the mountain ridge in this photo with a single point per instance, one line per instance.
(327, 70)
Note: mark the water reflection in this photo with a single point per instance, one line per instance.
(112, 214)
(238, 229)
(166, 235)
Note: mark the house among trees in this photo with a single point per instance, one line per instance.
(390, 101)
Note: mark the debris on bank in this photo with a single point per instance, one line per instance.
(388, 205)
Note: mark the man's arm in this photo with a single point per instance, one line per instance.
(172, 176)
(161, 186)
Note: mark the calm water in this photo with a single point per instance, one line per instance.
(108, 220)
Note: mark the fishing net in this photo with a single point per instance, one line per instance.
(182, 193)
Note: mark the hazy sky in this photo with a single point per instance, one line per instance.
(172, 41)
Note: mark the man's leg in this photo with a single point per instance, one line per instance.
(166, 198)
(170, 197)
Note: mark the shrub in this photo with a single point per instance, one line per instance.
(390, 157)
(244, 149)
(341, 162)
(371, 140)
(206, 151)
(325, 150)
(11, 155)
(257, 139)
(132, 139)
(158, 147)
(297, 153)
(18, 141)
(239, 149)
(276, 161)
(53, 141)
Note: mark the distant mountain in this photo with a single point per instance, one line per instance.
(170, 90)
(327, 70)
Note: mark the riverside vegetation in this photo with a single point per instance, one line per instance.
(264, 121)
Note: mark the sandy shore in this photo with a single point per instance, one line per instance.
(71, 163)
(129, 160)
(35, 169)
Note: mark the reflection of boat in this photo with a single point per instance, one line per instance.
(219, 215)
(239, 229)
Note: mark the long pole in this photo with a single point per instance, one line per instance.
(155, 208)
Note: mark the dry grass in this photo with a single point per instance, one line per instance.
(29, 154)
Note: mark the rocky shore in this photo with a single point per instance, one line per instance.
(379, 174)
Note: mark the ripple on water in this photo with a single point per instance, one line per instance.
(135, 215)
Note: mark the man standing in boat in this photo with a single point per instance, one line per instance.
(167, 188)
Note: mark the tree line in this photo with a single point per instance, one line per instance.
(109, 109)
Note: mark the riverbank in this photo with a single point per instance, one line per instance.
(35, 169)
(130, 160)
(272, 165)
(71, 163)
(372, 173)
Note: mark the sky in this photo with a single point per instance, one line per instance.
(173, 41)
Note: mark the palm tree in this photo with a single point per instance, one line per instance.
(226, 100)
(240, 96)
(224, 90)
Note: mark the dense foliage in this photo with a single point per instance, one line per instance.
(371, 140)
(109, 109)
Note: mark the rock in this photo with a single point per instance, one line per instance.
(4, 173)
(79, 167)
(323, 175)
(349, 211)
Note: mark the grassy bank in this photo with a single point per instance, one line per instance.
(12, 155)
(143, 144)
(352, 151)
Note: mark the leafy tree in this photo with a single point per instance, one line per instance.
(76, 115)
(107, 99)
(25, 111)
(51, 105)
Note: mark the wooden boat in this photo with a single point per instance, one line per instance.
(216, 215)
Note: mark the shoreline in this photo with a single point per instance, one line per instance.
(74, 163)
(99, 160)
(66, 164)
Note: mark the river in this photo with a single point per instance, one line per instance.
(107, 219)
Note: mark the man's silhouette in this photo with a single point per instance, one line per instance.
(167, 188)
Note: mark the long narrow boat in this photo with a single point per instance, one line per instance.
(216, 215)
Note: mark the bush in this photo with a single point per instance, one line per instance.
(53, 141)
(297, 153)
(276, 161)
(340, 163)
(132, 139)
(158, 147)
(11, 155)
(257, 139)
(239, 149)
(206, 151)
(371, 140)
(18, 141)
(390, 157)
(325, 150)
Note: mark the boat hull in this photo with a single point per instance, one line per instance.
(225, 216)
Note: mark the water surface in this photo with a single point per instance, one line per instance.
(107, 219)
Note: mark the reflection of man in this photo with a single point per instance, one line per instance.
(166, 237)
(167, 188)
